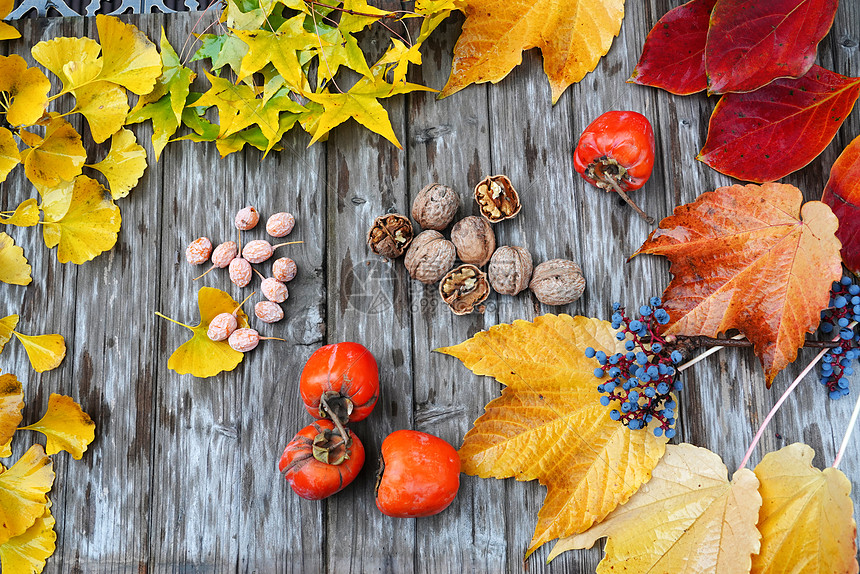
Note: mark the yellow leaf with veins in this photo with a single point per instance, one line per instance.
(25, 215)
(7, 32)
(22, 492)
(27, 88)
(14, 268)
(45, 352)
(124, 165)
(7, 327)
(66, 425)
(105, 106)
(280, 48)
(11, 403)
(549, 424)
(75, 61)
(57, 158)
(9, 154)
(28, 552)
(130, 58)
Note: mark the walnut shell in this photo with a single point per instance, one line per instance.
(557, 282)
(390, 235)
(435, 206)
(429, 257)
(464, 289)
(497, 198)
(474, 239)
(510, 269)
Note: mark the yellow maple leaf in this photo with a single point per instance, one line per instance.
(105, 106)
(27, 552)
(124, 165)
(130, 58)
(9, 154)
(25, 215)
(200, 356)
(56, 158)
(87, 227)
(27, 88)
(549, 424)
(572, 37)
(280, 48)
(11, 403)
(687, 518)
(75, 61)
(806, 518)
(66, 425)
(14, 268)
(22, 492)
(7, 32)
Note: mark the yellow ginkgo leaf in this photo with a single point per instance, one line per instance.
(45, 352)
(57, 158)
(7, 32)
(687, 518)
(14, 268)
(22, 492)
(27, 88)
(130, 58)
(66, 425)
(105, 106)
(87, 228)
(200, 356)
(25, 215)
(9, 154)
(27, 552)
(7, 327)
(124, 165)
(11, 403)
(74, 60)
(807, 517)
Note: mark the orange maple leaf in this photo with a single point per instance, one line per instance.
(749, 258)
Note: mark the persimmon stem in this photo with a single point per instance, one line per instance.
(174, 321)
(204, 273)
(287, 243)
(239, 306)
(617, 189)
(260, 275)
(335, 419)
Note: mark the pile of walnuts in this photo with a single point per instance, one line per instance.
(430, 256)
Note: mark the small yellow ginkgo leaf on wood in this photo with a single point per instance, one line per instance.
(806, 519)
(23, 489)
(27, 90)
(81, 220)
(28, 552)
(7, 327)
(57, 158)
(687, 518)
(14, 268)
(25, 215)
(130, 58)
(549, 424)
(10, 157)
(105, 106)
(124, 165)
(75, 61)
(11, 403)
(45, 352)
(66, 426)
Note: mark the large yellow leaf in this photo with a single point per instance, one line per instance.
(549, 424)
(66, 425)
(806, 518)
(57, 158)
(25, 215)
(27, 88)
(45, 352)
(124, 165)
(130, 58)
(572, 35)
(11, 403)
(27, 552)
(7, 32)
(75, 61)
(22, 492)
(105, 106)
(14, 268)
(280, 48)
(9, 154)
(200, 356)
(7, 327)
(87, 228)
(689, 518)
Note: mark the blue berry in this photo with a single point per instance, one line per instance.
(614, 415)
(604, 400)
(655, 301)
(676, 357)
(658, 431)
(598, 372)
(670, 433)
(590, 352)
(644, 310)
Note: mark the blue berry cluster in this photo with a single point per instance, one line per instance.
(844, 309)
(642, 378)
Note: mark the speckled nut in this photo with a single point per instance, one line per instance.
(274, 290)
(246, 218)
(497, 198)
(390, 235)
(435, 206)
(429, 257)
(257, 251)
(284, 269)
(280, 224)
(464, 289)
(557, 282)
(474, 239)
(240, 272)
(198, 251)
(222, 326)
(510, 269)
(268, 311)
(244, 340)
(224, 254)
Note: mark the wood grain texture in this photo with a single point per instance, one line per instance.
(182, 476)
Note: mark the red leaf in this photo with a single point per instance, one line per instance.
(751, 44)
(842, 194)
(673, 57)
(749, 258)
(766, 134)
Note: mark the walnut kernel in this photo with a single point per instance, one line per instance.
(557, 282)
(435, 206)
(390, 235)
(510, 269)
(497, 198)
(429, 257)
(474, 239)
(464, 289)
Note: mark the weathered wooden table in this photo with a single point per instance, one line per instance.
(182, 475)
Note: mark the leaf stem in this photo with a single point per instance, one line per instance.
(173, 321)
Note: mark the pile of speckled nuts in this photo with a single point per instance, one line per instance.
(430, 257)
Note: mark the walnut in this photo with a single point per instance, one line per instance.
(557, 282)
(510, 269)
(474, 239)
(497, 198)
(429, 257)
(435, 206)
(464, 289)
(390, 235)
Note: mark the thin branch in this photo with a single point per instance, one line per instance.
(851, 424)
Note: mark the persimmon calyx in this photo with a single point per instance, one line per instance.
(330, 447)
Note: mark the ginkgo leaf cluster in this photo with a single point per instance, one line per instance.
(27, 537)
